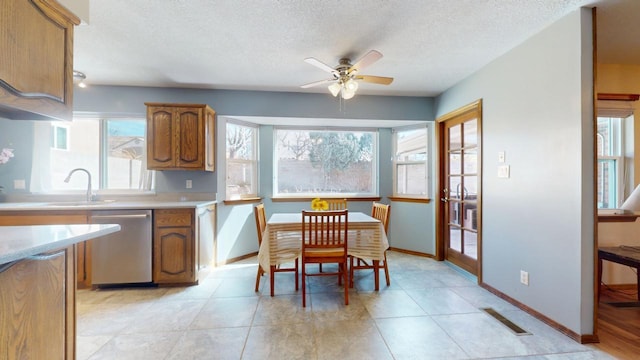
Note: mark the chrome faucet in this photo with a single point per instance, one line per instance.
(89, 194)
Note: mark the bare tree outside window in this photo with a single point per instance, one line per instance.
(241, 161)
(325, 162)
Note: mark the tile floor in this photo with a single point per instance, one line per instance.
(430, 311)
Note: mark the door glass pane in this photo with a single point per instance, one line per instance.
(454, 187)
(470, 216)
(471, 244)
(455, 238)
(455, 209)
(470, 187)
(470, 161)
(455, 142)
(471, 133)
(455, 163)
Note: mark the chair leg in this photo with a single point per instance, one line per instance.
(386, 270)
(304, 287)
(345, 273)
(258, 276)
(351, 271)
(376, 273)
(320, 267)
(272, 277)
(297, 274)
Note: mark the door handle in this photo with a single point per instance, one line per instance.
(444, 199)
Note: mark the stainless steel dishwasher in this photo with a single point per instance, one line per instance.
(123, 257)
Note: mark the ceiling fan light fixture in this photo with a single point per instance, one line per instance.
(335, 89)
(351, 85)
(347, 94)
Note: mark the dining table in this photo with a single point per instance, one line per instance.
(282, 240)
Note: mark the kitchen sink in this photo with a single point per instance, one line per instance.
(80, 203)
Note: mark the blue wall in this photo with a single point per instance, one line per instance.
(537, 103)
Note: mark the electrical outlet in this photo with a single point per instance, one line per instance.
(524, 277)
(189, 184)
(19, 184)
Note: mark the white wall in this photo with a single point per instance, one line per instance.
(537, 108)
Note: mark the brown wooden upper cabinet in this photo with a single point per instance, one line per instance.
(36, 60)
(180, 137)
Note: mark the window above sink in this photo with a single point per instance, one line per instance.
(112, 150)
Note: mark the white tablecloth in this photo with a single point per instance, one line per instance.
(282, 238)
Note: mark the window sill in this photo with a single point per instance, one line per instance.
(309, 198)
(250, 200)
(409, 199)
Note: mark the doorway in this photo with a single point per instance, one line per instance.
(459, 214)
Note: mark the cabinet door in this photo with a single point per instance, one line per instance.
(37, 312)
(206, 239)
(36, 60)
(210, 136)
(192, 138)
(173, 255)
(161, 138)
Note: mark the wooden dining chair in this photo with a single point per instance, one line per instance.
(324, 240)
(261, 225)
(381, 212)
(335, 204)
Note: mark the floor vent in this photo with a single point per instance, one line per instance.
(508, 323)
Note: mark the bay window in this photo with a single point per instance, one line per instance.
(325, 162)
(410, 161)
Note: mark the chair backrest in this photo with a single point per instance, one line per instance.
(382, 213)
(324, 229)
(261, 220)
(337, 204)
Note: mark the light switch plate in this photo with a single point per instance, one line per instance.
(500, 156)
(503, 171)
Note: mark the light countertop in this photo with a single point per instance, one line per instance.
(19, 242)
(103, 205)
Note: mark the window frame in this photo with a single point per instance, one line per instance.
(615, 150)
(396, 163)
(98, 180)
(375, 190)
(255, 183)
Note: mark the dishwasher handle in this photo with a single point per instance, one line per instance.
(134, 216)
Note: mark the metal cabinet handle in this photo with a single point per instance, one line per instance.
(138, 216)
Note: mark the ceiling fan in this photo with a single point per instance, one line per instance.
(345, 75)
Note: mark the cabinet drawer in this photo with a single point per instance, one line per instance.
(173, 217)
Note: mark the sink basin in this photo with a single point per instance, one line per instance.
(79, 203)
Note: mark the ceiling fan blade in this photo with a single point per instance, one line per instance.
(316, 83)
(368, 59)
(382, 80)
(319, 64)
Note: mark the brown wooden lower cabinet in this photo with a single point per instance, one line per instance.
(37, 307)
(174, 247)
(177, 236)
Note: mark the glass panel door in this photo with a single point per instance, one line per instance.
(460, 189)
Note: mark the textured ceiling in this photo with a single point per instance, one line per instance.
(428, 45)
